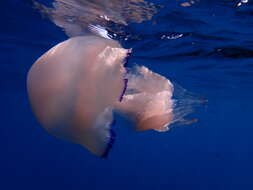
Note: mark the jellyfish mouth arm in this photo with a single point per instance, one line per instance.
(147, 111)
(142, 79)
(153, 102)
(147, 100)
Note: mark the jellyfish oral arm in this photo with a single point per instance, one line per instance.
(147, 100)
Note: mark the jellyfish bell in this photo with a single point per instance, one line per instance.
(73, 87)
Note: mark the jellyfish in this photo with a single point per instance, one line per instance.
(77, 85)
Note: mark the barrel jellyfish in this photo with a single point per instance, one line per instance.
(75, 87)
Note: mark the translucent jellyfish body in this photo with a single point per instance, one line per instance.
(75, 87)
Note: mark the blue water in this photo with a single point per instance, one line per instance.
(211, 56)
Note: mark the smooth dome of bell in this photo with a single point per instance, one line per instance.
(73, 87)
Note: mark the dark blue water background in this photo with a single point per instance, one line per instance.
(212, 57)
